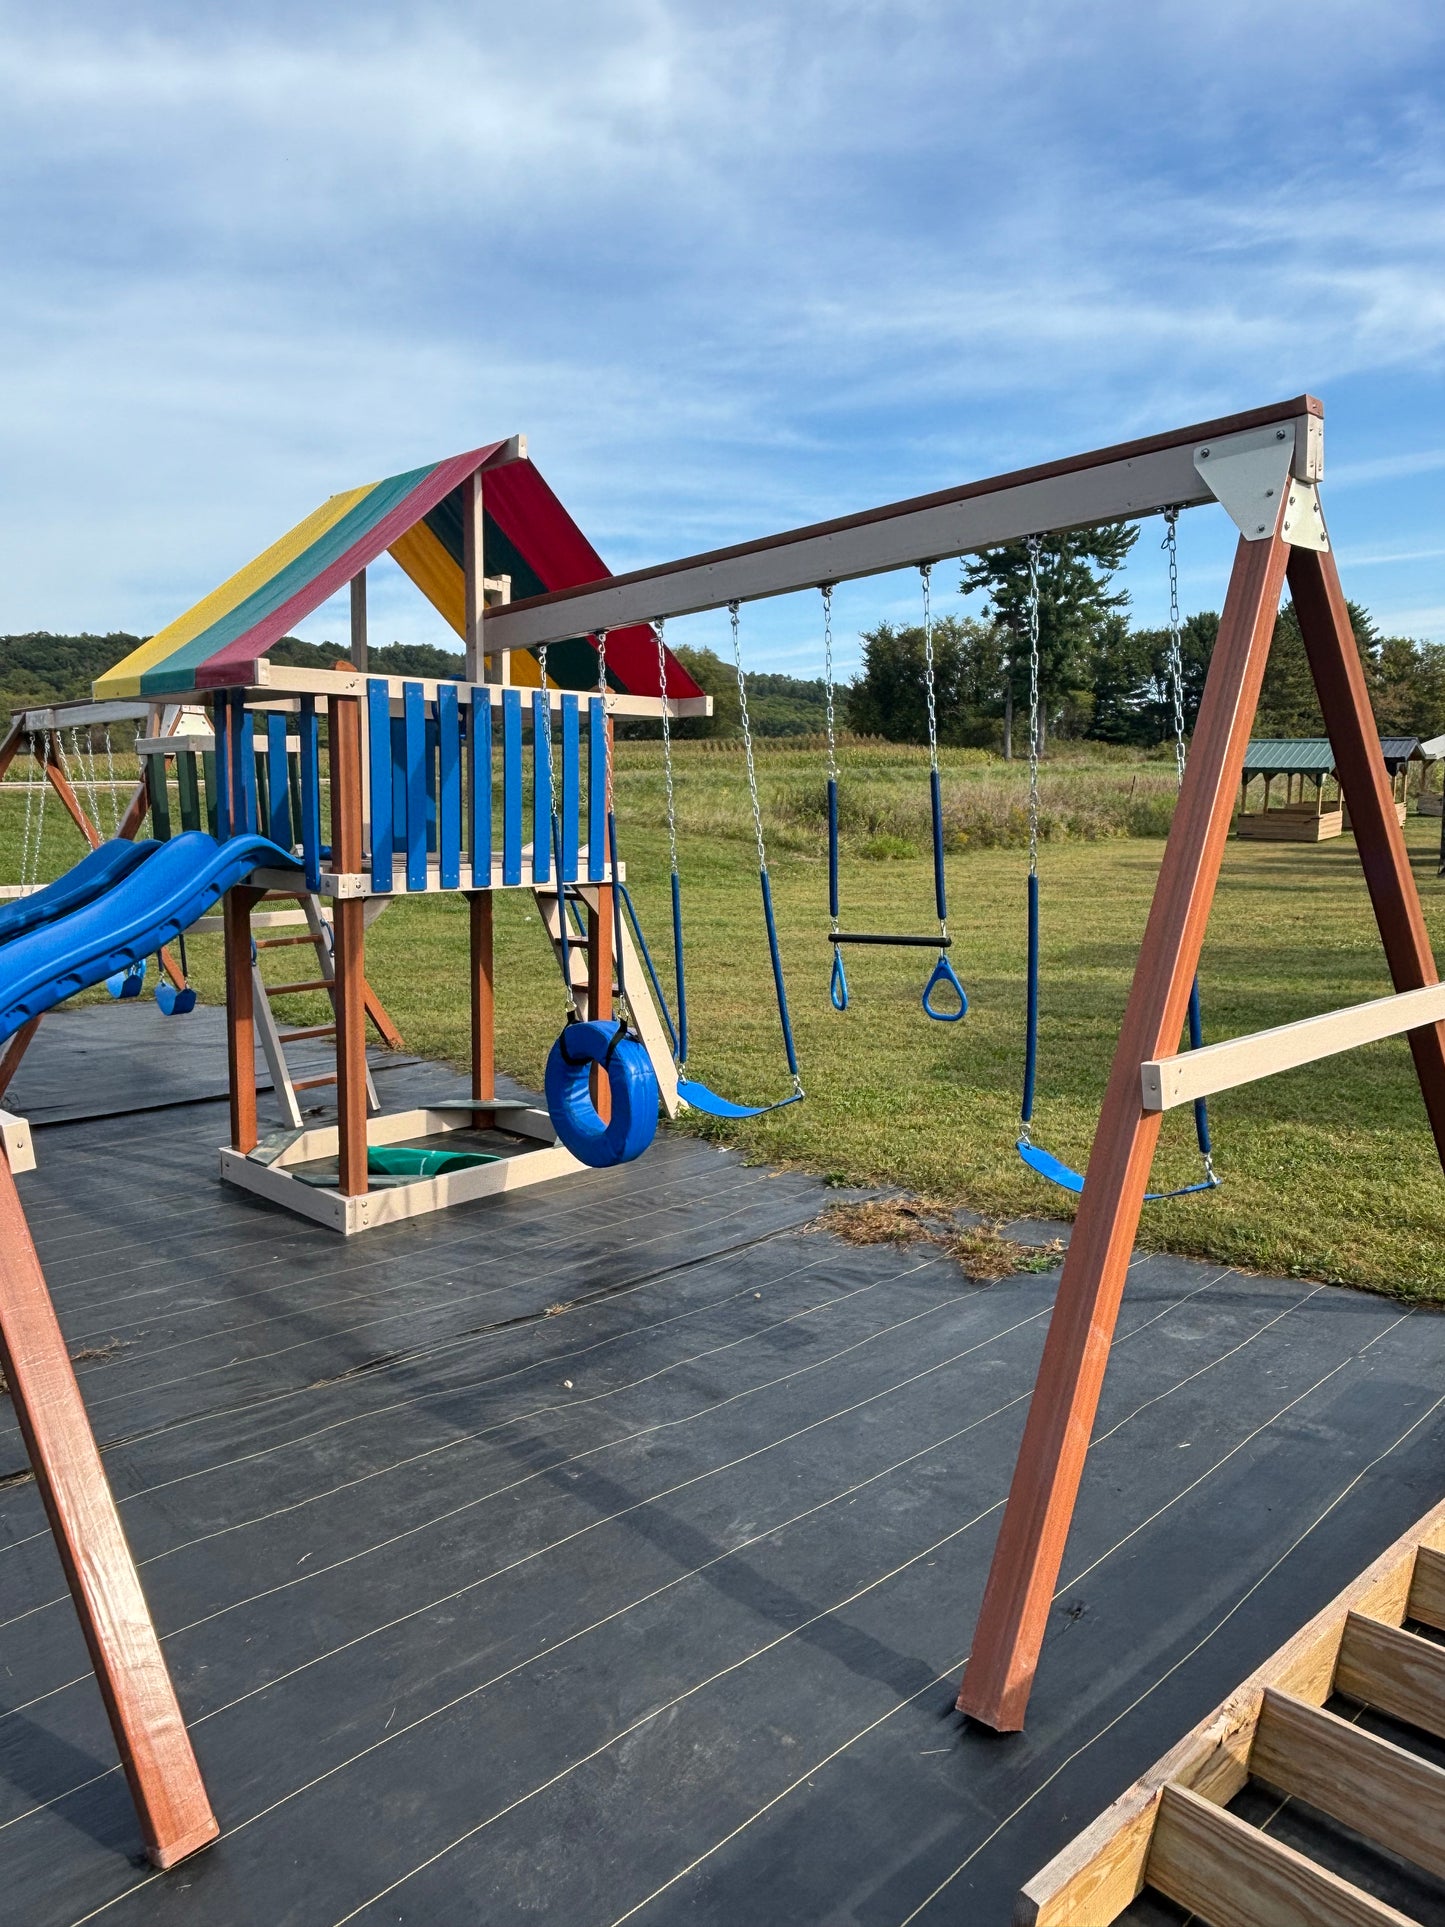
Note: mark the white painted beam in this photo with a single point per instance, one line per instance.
(1168, 1082)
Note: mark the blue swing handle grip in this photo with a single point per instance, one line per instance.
(944, 974)
(833, 847)
(1196, 1041)
(677, 968)
(940, 893)
(1031, 1027)
(778, 984)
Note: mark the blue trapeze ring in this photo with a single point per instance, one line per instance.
(944, 973)
(838, 986)
(630, 1078)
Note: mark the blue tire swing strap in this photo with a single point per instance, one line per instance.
(608, 1045)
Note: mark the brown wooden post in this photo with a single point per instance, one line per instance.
(14, 737)
(1334, 661)
(240, 1014)
(484, 1062)
(130, 1668)
(349, 931)
(1035, 1526)
(473, 575)
(14, 1050)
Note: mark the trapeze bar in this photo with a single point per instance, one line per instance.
(908, 943)
(1125, 481)
(1168, 1082)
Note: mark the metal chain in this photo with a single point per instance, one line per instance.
(1035, 545)
(29, 850)
(544, 748)
(827, 592)
(110, 778)
(1170, 545)
(926, 571)
(667, 748)
(84, 754)
(748, 740)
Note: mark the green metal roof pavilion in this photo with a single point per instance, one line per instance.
(1314, 757)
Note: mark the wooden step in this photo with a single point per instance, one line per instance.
(311, 1083)
(1232, 1875)
(1394, 1671)
(281, 943)
(1389, 1795)
(307, 1030)
(291, 990)
(1427, 1589)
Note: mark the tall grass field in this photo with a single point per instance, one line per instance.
(1329, 1172)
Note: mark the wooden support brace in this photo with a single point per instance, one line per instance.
(1030, 1545)
(240, 1015)
(130, 1668)
(349, 956)
(483, 999)
(1394, 1671)
(1171, 1081)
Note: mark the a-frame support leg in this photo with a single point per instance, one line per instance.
(155, 1749)
(1334, 660)
(1030, 1546)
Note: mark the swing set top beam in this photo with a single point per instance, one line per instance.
(1128, 480)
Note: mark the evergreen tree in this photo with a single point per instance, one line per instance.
(1075, 599)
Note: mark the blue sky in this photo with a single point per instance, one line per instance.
(730, 269)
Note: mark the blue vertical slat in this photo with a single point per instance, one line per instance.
(220, 723)
(541, 814)
(378, 740)
(571, 787)
(243, 765)
(480, 742)
(310, 793)
(431, 780)
(278, 817)
(413, 712)
(449, 787)
(596, 790)
(511, 786)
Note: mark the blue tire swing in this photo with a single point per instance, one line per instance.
(1043, 1162)
(691, 1090)
(609, 1046)
(944, 979)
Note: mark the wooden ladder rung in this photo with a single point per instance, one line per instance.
(1427, 1589)
(1394, 1671)
(281, 943)
(1232, 1875)
(287, 990)
(307, 1030)
(310, 1083)
(1384, 1792)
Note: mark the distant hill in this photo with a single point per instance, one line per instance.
(41, 668)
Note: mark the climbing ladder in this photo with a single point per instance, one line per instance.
(273, 1037)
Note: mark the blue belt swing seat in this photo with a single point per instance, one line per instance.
(692, 1091)
(944, 977)
(1034, 1156)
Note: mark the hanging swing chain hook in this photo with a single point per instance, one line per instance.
(1035, 546)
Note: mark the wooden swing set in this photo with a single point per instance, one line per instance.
(1263, 467)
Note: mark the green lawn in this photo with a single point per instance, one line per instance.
(1329, 1172)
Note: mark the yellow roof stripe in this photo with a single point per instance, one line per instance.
(124, 679)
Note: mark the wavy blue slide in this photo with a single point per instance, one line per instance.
(96, 871)
(150, 905)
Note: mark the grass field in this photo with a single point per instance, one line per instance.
(1329, 1172)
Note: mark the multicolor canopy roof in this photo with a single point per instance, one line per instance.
(417, 518)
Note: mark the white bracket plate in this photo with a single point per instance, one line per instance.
(1248, 474)
(1304, 520)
